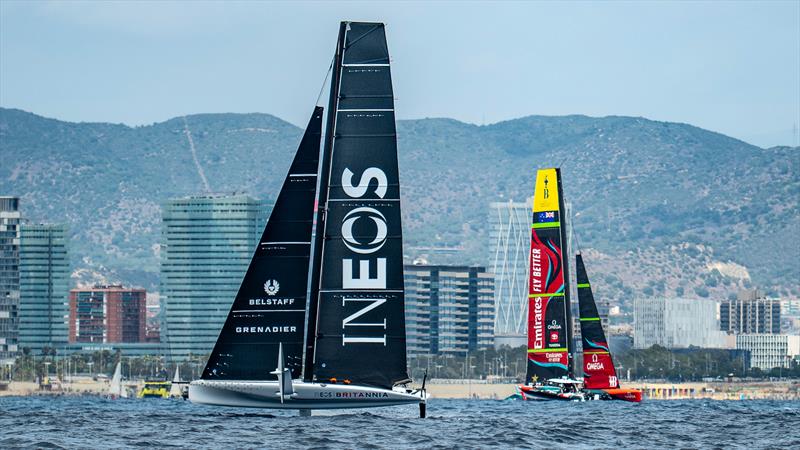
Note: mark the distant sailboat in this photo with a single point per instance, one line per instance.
(176, 388)
(115, 388)
(551, 349)
(549, 363)
(343, 345)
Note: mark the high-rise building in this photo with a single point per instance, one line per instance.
(44, 276)
(751, 313)
(107, 314)
(768, 351)
(510, 242)
(676, 323)
(449, 309)
(207, 243)
(9, 276)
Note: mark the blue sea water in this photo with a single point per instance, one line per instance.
(91, 422)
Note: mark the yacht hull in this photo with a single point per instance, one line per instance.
(628, 395)
(539, 393)
(265, 394)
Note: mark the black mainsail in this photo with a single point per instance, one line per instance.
(270, 306)
(360, 320)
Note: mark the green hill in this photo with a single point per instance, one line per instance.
(659, 207)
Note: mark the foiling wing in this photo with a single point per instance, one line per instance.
(270, 306)
(360, 333)
(549, 332)
(598, 367)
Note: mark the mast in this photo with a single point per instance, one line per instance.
(549, 333)
(321, 206)
(360, 329)
(567, 288)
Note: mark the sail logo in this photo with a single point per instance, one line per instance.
(538, 302)
(554, 357)
(353, 395)
(549, 216)
(554, 336)
(546, 191)
(365, 280)
(271, 301)
(536, 270)
(538, 316)
(271, 287)
(594, 364)
(363, 248)
(275, 329)
(380, 225)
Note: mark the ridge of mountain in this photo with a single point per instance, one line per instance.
(667, 208)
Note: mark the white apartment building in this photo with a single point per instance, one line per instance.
(676, 323)
(768, 351)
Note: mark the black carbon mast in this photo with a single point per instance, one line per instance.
(321, 205)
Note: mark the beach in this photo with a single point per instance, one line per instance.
(479, 389)
(774, 390)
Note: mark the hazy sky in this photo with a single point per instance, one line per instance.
(732, 67)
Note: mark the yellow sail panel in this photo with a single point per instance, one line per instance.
(545, 196)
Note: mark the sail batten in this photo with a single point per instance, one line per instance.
(270, 306)
(549, 337)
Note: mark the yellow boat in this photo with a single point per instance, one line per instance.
(155, 389)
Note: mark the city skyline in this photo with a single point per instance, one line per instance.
(584, 219)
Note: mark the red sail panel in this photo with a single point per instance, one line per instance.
(598, 370)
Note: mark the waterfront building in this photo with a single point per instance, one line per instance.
(105, 314)
(510, 242)
(676, 323)
(790, 315)
(768, 351)
(790, 307)
(10, 219)
(449, 309)
(751, 313)
(44, 276)
(153, 318)
(207, 243)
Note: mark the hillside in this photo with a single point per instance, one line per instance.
(659, 207)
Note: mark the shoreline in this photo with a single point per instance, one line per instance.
(480, 390)
(778, 390)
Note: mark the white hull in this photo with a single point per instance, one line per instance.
(265, 394)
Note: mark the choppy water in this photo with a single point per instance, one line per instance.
(87, 422)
